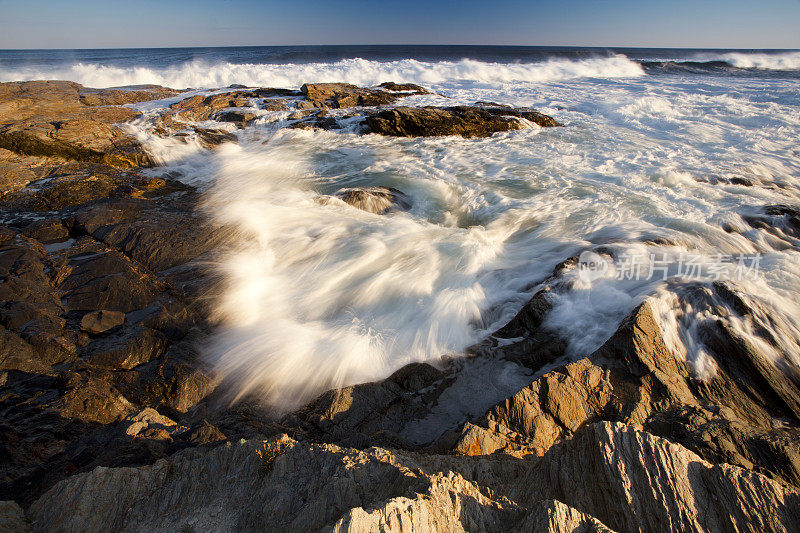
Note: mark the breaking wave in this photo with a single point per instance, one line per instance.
(784, 61)
(357, 71)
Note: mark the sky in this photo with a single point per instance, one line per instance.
(165, 23)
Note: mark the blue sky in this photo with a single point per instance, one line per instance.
(681, 23)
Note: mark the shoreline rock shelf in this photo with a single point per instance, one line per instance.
(111, 420)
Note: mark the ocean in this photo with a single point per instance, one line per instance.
(666, 159)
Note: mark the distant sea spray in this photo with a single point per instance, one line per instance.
(200, 74)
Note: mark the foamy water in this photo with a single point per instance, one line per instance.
(324, 295)
(356, 71)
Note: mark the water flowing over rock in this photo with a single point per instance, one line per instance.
(112, 421)
(378, 200)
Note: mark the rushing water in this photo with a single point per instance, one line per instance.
(320, 295)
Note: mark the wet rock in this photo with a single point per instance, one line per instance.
(273, 105)
(341, 95)
(101, 321)
(218, 107)
(47, 231)
(404, 87)
(107, 281)
(210, 139)
(378, 200)
(783, 221)
(317, 122)
(467, 121)
(240, 118)
(44, 118)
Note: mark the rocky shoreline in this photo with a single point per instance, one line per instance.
(111, 419)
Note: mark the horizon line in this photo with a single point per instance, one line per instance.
(400, 45)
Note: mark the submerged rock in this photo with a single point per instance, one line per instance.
(378, 200)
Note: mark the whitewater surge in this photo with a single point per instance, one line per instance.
(199, 74)
(784, 61)
(319, 294)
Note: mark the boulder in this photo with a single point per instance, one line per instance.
(240, 118)
(101, 321)
(404, 87)
(341, 95)
(467, 121)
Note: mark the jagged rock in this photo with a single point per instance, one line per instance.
(204, 434)
(47, 231)
(317, 122)
(552, 516)
(378, 200)
(633, 481)
(101, 321)
(151, 424)
(609, 474)
(467, 121)
(140, 229)
(721, 438)
(550, 408)
(127, 348)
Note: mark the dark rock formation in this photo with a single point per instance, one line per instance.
(467, 121)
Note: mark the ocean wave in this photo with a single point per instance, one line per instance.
(744, 60)
(784, 61)
(358, 71)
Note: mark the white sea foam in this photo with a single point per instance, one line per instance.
(783, 61)
(356, 71)
(789, 60)
(318, 296)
